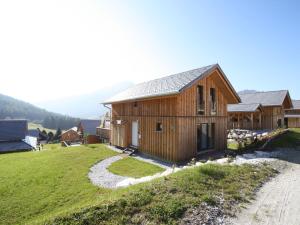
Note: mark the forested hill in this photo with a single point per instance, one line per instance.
(11, 108)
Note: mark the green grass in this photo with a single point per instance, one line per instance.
(164, 201)
(291, 139)
(36, 125)
(131, 167)
(52, 185)
(38, 185)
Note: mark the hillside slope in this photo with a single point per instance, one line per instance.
(11, 108)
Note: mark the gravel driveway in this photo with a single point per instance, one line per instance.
(100, 176)
(278, 201)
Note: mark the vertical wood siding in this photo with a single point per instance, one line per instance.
(178, 139)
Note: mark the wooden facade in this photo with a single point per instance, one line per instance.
(168, 126)
(70, 136)
(292, 118)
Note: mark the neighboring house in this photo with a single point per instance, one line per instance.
(70, 136)
(13, 136)
(246, 116)
(270, 114)
(104, 131)
(292, 116)
(87, 131)
(174, 117)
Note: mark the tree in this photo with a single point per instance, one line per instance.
(57, 134)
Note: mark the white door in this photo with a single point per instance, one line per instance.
(135, 134)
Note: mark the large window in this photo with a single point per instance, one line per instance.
(213, 101)
(200, 100)
(205, 136)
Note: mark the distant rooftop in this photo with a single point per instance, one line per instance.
(13, 130)
(296, 104)
(89, 126)
(268, 98)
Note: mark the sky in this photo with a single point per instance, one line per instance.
(55, 49)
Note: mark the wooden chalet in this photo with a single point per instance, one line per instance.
(292, 116)
(70, 136)
(175, 117)
(260, 110)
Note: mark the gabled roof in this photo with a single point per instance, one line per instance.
(13, 130)
(242, 107)
(75, 129)
(89, 126)
(168, 85)
(296, 104)
(268, 98)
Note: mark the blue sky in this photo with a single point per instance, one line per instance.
(81, 46)
(257, 43)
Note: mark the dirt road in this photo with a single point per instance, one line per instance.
(278, 201)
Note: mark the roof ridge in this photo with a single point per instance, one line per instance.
(212, 65)
(263, 92)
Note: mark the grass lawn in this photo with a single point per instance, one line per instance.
(131, 167)
(289, 140)
(38, 185)
(164, 201)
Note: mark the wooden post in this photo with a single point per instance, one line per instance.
(260, 122)
(238, 116)
(252, 125)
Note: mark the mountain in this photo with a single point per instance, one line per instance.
(86, 106)
(11, 108)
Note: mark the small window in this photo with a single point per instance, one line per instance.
(213, 101)
(200, 100)
(135, 104)
(159, 127)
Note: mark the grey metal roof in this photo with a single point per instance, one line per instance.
(89, 126)
(168, 85)
(269, 98)
(33, 133)
(14, 146)
(242, 107)
(296, 104)
(13, 130)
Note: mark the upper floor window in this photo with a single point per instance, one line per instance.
(213, 101)
(159, 126)
(200, 100)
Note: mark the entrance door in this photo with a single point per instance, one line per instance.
(135, 133)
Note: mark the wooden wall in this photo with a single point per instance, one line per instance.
(70, 136)
(294, 122)
(178, 139)
(270, 117)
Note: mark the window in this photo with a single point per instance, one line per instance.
(135, 104)
(159, 126)
(200, 100)
(213, 102)
(205, 136)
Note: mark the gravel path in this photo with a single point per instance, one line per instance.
(277, 202)
(100, 176)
